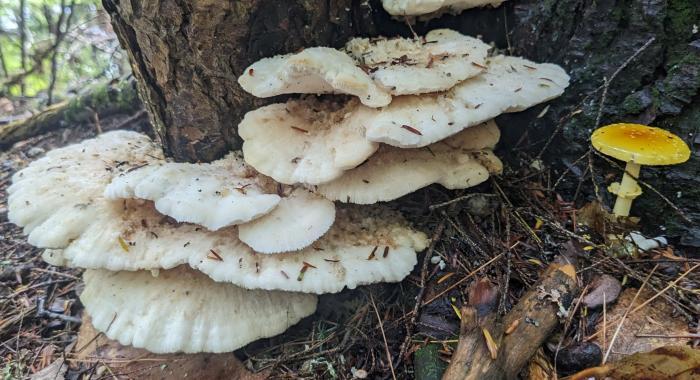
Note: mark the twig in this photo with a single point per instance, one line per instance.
(606, 81)
(624, 316)
(465, 278)
(42, 312)
(419, 298)
(386, 345)
(591, 171)
(662, 291)
(568, 324)
(458, 199)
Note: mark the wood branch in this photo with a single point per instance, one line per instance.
(103, 100)
(515, 338)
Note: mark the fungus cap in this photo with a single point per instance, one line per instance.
(56, 197)
(436, 62)
(181, 310)
(300, 219)
(215, 195)
(640, 144)
(510, 84)
(314, 70)
(423, 7)
(306, 141)
(461, 161)
(132, 235)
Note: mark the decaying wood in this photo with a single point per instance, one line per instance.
(103, 100)
(513, 339)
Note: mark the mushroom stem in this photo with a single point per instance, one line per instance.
(628, 190)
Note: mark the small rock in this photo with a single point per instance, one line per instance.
(35, 151)
(603, 284)
(578, 356)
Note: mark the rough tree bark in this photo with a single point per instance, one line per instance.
(187, 54)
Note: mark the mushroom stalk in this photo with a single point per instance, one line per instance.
(627, 190)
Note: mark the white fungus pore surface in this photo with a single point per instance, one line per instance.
(461, 161)
(182, 310)
(314, 70)
(432, 63)
(510, 84)
(215, 195)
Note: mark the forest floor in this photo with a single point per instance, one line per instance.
(506, 231)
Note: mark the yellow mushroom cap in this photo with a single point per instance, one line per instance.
(640, 144)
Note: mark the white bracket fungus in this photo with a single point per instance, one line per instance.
(461, 161)
(424, 7)
(362, 247)
(315, 70)
(215, 195)
(306, 141)
(432, 63)
(132, 235)
(300, 219)
(181, 310)
(55, 198)
(510, 84)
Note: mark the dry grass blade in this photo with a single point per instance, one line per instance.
(386, 345)
(490, 343)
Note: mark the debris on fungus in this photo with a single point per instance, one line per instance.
(436, 62)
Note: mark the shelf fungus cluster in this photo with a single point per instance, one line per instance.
(186, 257)
(440, 94)
(207, 257)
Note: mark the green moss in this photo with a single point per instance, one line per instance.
(680, 18)
(428, 365)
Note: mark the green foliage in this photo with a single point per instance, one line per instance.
(84, 48)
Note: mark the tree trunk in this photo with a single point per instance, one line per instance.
(187, 55)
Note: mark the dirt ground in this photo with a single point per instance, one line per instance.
(506, 231)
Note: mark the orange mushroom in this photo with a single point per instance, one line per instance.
(637, 145)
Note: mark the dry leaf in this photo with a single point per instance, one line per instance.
(628, 342)
(141, 364)
(664, 363)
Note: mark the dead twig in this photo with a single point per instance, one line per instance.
(386, 345)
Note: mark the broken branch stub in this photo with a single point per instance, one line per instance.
(518, 335)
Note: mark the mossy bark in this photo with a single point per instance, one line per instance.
(187, 55)
(592, 39)
(105, 99)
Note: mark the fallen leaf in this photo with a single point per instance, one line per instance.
(94, 347)
(54, 371)
(629, 340)
(663, 363)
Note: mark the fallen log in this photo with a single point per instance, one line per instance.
(103, 100)
(494, 348)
